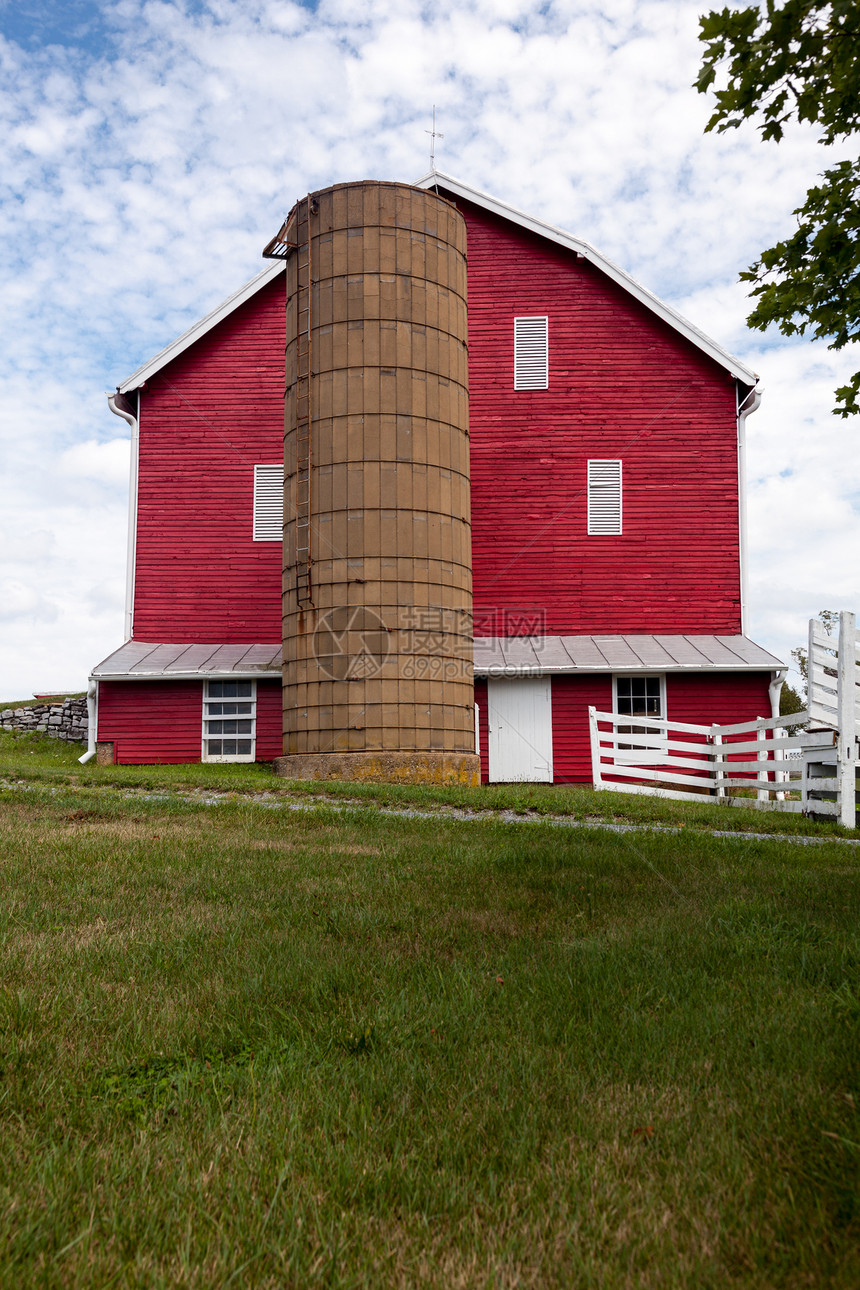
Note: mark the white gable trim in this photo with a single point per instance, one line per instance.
(188, 338)
(436, 179)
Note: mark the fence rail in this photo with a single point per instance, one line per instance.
(767, 763)
(719, 764)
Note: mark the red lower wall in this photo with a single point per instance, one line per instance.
(270, 720)
(701, 699)
(572, 696)
(483, 728)
(723, 699)
(162, 721)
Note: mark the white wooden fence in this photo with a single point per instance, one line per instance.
(769, 762)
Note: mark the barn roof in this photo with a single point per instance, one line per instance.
(493, 656)
(455, 188)
(201, 327)
(446, 184)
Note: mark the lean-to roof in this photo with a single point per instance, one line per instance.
(493, 656)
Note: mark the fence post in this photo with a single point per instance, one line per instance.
(847, 748)
(780, 776)
(596, 776)
(763, 794)
(719, 770)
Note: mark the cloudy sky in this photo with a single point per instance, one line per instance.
(148, 150)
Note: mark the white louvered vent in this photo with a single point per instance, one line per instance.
(531, 353)
(604, 497)
(269, 503)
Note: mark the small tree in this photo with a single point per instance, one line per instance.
(829, 618)
(789, 700)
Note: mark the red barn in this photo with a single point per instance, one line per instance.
(606, 441)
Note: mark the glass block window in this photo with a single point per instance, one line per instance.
(229, 720)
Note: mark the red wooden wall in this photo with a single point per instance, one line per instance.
(623, 385)
(572, 696)
(162, 721)
(724, 699)
(483, 728)
(703, 699)
(206, 420)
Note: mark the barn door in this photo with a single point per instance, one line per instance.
(520, 725)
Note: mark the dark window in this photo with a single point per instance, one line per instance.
(639, 696)
(231, 689)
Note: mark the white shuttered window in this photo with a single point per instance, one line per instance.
(269, 503)
(531, 353)
(604, 497)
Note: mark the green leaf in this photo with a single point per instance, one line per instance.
(779, 63)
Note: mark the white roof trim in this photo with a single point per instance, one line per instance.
(436, 178)
(188, 338)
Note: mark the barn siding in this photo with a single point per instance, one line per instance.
(718, 699)
(162, 721)
(704, 699)
(572, 696)
(481, 698)
(270, 739)
(151, 721)
(622, 384)
(207, 419)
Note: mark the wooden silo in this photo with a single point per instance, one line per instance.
(377, 592)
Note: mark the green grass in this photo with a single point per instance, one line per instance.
(34, 703)
(250, 1046)
(36, 758)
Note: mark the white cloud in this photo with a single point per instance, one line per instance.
(19, 600)
(99, 463)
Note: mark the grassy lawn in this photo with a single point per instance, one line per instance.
(247, 1045)
(36, 759)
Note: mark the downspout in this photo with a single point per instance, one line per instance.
(749, 404)
(777, 680)
(92, 720)
(121, 405)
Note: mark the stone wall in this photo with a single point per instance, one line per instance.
(61, 720)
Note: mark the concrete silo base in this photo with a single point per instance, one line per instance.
(384, 767)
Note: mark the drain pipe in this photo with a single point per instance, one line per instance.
(746, 407)
(777, 680)
(92, 720)
(122, 406)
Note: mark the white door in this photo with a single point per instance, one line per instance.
(520, 722)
